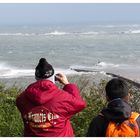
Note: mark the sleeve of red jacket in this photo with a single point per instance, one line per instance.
(75, 102)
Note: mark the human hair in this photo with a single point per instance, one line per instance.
(116, 88)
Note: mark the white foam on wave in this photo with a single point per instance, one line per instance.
(105, 65)
(135, 32)
(132, 32)
(91, 33)
(13, 73)
(17, 73)
(7, 71)
(55, 33)
(71, 71)
(65, 71)
(17, 34)
(104, 73)
(61, 33)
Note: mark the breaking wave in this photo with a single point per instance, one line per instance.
(132, 32)
(7, 71)
(105, 65)
(61, 33)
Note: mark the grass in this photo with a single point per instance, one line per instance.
(11, 124)
(10, 120)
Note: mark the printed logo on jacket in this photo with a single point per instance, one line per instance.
(40, 117)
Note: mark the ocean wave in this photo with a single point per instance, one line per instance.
(131, 32)
(79, 67)
(105, 65)
(118, 25)
(104, 73)
(66, 71)
(91, 33)
(55, 33)
(61, 33)
(135, 32)
(95, 68)
(18, 34)
(7, 71)
(111, 32)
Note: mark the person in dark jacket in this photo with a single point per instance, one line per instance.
(117, 109)
(45, 109)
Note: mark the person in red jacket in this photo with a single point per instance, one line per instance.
(45, 109)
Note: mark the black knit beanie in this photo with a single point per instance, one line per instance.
(116, 88)
(43, 70)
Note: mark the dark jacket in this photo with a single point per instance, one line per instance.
(46, 110)
(117, 110)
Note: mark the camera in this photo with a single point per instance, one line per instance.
(55, 78)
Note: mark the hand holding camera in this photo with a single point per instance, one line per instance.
(61, 78)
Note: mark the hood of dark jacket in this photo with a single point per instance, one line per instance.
(41, 91)
(117, 110)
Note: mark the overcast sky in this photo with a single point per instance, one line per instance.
(68, 13)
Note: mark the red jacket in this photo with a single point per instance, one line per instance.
(46, 110)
